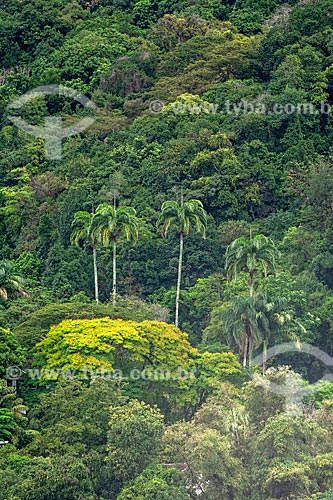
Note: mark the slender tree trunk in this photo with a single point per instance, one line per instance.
(264, 357)
(180, 264)
(250, 346)
(95, 273)
(114, 273)
(245, 351)
(251, 285)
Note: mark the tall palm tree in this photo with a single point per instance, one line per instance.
(10, 282)
(249, 255)
(182, 217)
(82, 230)
(110, 224)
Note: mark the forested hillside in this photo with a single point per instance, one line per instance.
(200, 194)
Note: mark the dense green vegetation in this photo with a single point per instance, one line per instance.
(201, 195)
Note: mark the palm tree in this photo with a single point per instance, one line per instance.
(250, 321)
(249, 255)
(182, 216)
(111, 224)
(11, 283)
(246, 323)
(82, 230)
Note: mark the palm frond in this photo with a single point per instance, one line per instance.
(182, 217)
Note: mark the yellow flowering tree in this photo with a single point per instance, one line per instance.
(92, 344)
(153, 360)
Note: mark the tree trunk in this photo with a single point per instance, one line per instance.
(114, 273)
(245, 351)
(180, 264)
(250, 346)
(95, 274)
(251, 280)
(248, 343)
(264, 357)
